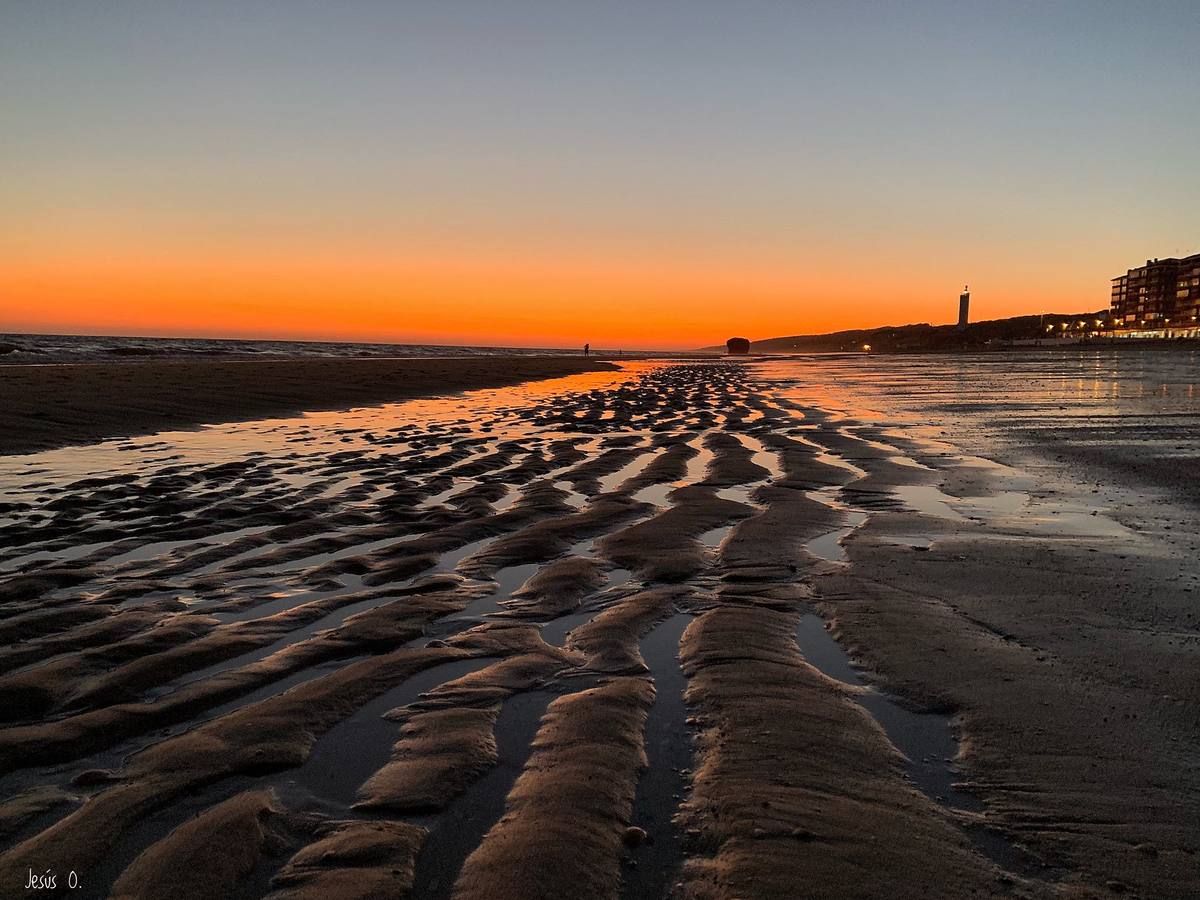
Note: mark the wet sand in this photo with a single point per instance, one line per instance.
(820, 628)
(53, 405)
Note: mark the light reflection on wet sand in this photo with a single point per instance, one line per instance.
(461, 503)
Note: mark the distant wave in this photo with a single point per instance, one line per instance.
(23, 349)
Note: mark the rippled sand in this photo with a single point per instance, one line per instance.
(704, 629)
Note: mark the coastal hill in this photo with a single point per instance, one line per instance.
(925, 337)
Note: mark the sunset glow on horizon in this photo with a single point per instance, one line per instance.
(538, 176)
(557, 302)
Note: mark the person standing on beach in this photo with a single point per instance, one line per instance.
(587, 349)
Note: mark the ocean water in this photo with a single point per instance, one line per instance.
(26, 349)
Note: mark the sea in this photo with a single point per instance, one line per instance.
(48, 349)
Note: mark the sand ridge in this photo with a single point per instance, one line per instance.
(414, 650)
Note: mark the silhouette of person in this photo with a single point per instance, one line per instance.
(587, 349)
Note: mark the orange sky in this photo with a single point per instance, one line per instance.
(632, 175)
(557, 298)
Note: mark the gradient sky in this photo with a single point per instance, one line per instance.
(544, 173)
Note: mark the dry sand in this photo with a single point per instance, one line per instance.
(49, 406)
(421, 653)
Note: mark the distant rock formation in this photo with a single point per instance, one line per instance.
(737, 346)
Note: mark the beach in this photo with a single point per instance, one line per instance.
(544, 627)
(44, 406)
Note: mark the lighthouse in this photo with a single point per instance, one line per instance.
(964, 306)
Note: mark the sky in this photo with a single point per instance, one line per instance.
(632, 174)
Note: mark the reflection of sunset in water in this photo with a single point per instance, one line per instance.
(314, 433)
(980, 393)
(1041, 383)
